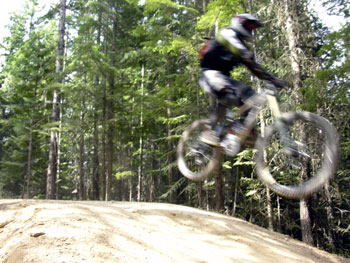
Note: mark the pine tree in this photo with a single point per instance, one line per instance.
(56, 101)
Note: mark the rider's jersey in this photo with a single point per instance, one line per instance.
(228, 51)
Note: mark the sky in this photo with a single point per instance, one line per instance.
(11, 6)
(15, 5)
(333, 22)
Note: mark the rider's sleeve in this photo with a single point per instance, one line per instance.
(257, 69)
(229, 39)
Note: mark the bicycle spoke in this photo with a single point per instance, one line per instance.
(196, 159)
(299, 160)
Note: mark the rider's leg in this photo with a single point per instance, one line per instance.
(244, 92)
(228, 93)
(216, 115)
(214, 82)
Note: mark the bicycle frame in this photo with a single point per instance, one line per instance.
(255, 103)
(278, 138)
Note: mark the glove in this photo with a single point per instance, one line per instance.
(279, 83)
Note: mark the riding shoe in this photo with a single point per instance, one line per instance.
(210, 138)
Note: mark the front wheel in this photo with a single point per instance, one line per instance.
(299, 173)
(195, 159)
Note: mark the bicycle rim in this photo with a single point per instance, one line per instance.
(302, 174)
(196, 160)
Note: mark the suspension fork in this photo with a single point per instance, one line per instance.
(289, 144)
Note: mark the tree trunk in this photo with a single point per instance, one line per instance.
(200, 194)
(207, 205)
(96, 159)
(199, 184)
(219, 192)
(140, 172)
(269, 209)
(279, 224)
(140, 168)
(153, 187)
(170, 159)
(110, 135)
(305, 221)
(219, 186)
(96, 162)
(305, 213)
(82, 192)
(234, 206)
(110, 132)
(204, 6)
(58, 153)
(26, 185)
(29, 162)
(130, 188)
(330, 218)
(171, 176)
(295, 59)
(53, 151)
(30, 148)
(103, 142)
(268, 194)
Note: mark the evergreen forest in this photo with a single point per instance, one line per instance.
(94, 95)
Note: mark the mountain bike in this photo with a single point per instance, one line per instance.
(295, 157)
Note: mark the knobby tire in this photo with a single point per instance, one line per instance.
(328, 162)
(208, 169)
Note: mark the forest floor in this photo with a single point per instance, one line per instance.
(69, 231)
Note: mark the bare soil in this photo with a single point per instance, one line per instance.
(68, 231)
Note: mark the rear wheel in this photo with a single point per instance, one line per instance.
(310, 162)
(197, 160)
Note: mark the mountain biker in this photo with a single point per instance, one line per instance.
(227, 51)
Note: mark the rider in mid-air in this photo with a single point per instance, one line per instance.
(226, 52)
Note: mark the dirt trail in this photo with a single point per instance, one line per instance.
(66, 231)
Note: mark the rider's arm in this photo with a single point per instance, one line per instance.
(228, 38)
(257, 69)
(261, 72)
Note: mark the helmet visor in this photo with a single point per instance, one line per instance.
(251, 25)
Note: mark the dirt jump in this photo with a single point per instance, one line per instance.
(74, 232)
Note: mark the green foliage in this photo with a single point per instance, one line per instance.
(219, 12)
(174, 188)
(29, 67)
(123, 174)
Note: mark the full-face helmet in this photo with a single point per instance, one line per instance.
(244, 24)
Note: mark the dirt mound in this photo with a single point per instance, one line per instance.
(65, 231)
